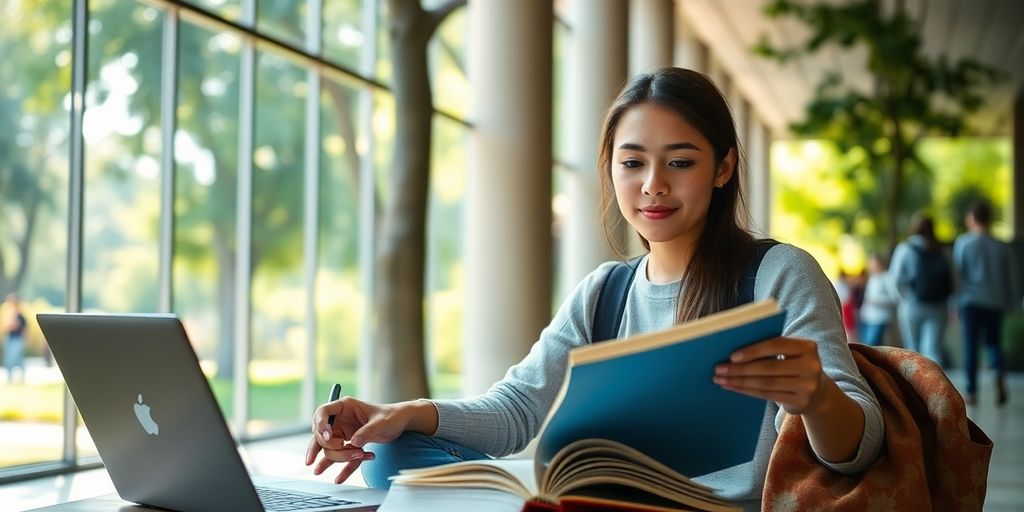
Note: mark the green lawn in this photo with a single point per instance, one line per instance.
(276, 401)
(32, 402)
(273, 403)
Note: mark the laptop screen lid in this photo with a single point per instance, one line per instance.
(150, 410)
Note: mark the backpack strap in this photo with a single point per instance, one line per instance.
(749, 278)
(611, 301)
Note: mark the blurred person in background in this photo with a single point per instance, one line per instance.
(924, 278)
(988, 288)
(14, 340)
(880, 300)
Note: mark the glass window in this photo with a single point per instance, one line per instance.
(122, 158)
(206, 159)
(341, 302)
(345, 36)
(278, 290)
(283, 19)
(229, 9)
(35, 42)
(383, 126)
(561, 174)
(383, 66)
(560, 49)
(448, 64)
(445, 271)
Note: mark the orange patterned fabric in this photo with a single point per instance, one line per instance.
(933, 457)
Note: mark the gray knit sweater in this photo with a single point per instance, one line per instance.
(505, 418)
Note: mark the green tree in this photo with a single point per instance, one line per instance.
(36, 135)
(913, 96)
(399, 291)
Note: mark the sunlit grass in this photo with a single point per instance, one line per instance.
(273, 396)
(32, 402)
(274, 399)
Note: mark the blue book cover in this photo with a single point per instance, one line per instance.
(655, 393)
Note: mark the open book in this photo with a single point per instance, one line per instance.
(633, 417)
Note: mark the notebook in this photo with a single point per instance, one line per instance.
(156, 424)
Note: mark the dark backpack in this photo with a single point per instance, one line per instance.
(933, 279)
(611, 301)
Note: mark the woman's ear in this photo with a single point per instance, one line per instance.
(726, 168)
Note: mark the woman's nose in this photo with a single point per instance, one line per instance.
(654, 184)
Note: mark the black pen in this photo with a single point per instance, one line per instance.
(335, 394)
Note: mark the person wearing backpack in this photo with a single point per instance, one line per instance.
(670, 161)
(988, 288)
(924, 277)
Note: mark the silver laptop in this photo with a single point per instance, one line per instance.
(156, 424)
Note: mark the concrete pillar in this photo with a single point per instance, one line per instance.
(740, 116)
(759, 172)
(650, 35)
(650, 47)
(508, 193)
(597, 57)
(717, 73)
(738, 107)
(689, 52)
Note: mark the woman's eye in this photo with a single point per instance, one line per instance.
(681, 164)
(632, 164)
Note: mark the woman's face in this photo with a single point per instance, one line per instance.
(663, 171)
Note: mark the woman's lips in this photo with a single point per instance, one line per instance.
(657, 212)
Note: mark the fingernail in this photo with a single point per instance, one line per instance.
(356, 441)
(327, 435)
(737, 357)
(721, 369)
(718, 380)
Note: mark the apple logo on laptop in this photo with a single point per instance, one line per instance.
(142, 413)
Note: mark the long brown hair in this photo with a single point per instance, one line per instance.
(922, 224)
(712, 278)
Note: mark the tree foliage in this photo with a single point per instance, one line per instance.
(913, 96)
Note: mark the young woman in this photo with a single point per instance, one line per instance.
(923, 309)
(669, 154)
(880, 299)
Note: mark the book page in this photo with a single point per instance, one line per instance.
(509, 475)
(603, 468)
(407, 498)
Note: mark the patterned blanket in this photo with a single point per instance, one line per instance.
(933, 457)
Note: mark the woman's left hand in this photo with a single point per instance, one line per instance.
(783, 370)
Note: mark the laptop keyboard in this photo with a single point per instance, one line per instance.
(279, 500)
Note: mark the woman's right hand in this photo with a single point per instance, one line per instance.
(356, 423)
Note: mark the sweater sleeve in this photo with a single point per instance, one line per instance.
(794, 279)
(504, 419)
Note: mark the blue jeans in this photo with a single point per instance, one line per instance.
(411, 450)
(14, 355)
(872, 334)
(923, 327)
(985, 325)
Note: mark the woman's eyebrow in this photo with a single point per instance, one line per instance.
(668, 147)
